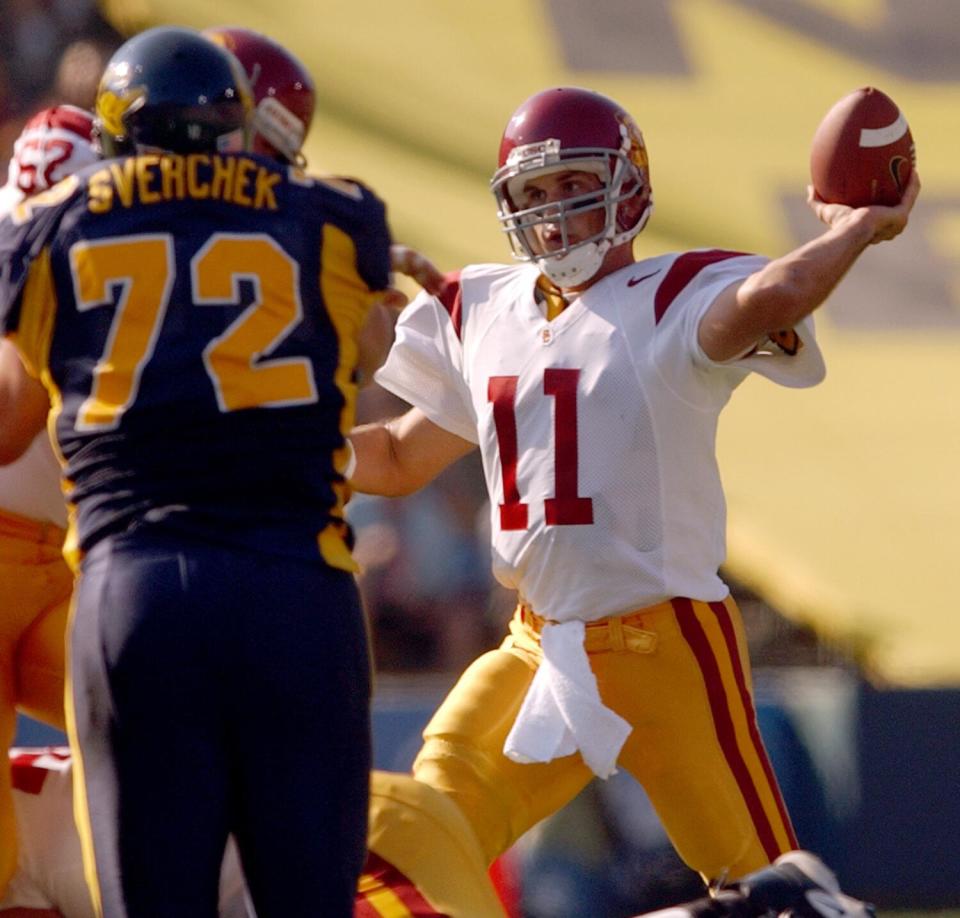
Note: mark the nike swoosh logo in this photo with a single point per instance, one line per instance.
(636, 280)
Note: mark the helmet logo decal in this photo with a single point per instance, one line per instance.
(112, 108)
(634, 146)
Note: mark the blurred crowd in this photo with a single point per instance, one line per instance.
(425, 561)
(51, 51)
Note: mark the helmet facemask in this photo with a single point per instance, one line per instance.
(570, 265)
(282, 130)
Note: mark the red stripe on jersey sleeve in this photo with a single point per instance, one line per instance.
(451, 296)
(681, 272)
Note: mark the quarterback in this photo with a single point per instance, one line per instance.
(592, 383)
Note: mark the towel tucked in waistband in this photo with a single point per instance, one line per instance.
(562, 711)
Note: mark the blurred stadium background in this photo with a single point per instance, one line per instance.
(844, 502)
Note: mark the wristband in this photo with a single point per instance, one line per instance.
(351, 465)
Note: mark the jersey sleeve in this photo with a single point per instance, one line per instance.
(362, 215)
(373, 257)
(425, 367)
(49, 872)
(791, 357)
(19, 246)
(24, 234)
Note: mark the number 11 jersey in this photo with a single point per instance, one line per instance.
(597, 429)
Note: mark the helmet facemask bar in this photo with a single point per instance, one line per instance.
(282, 88)
(569, 265)
(280, 128)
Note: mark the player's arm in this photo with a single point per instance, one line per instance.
(419, 268)
(29, 913)
(375, 339)
(789, 288)
(399, 456)
(24, 405)
(376, 336)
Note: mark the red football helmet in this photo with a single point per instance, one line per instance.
(282, 89)
(571, 129)
(54, 143)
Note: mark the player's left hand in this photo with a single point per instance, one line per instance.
(393, 298)
(885, 222)
(404, 260)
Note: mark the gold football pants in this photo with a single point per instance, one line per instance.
(35, 588)
(678, 673)
(423, 859)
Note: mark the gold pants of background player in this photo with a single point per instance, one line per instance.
(35, 588)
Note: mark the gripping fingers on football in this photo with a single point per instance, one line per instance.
(827, 213)
(892, 221)
(888, 222)
(410, 262)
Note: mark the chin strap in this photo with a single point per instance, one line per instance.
(577, 266)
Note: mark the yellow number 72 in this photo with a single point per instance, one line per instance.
(144, 269)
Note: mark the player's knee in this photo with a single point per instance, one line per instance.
(448, 766)
(460, 774)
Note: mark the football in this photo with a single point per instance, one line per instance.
(862, 152)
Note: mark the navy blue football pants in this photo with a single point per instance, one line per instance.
(217, 690)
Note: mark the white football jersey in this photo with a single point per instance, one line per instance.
(49, 864)
(597, 429)
(30, 486)
(49, 870)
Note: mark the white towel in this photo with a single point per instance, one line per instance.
(562, 711)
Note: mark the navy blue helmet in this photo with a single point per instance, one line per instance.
(171, 89)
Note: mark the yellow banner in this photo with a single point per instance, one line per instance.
(844, 501)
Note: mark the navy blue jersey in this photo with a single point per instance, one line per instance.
(195, 320)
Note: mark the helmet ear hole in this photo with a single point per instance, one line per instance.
(632, 209)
